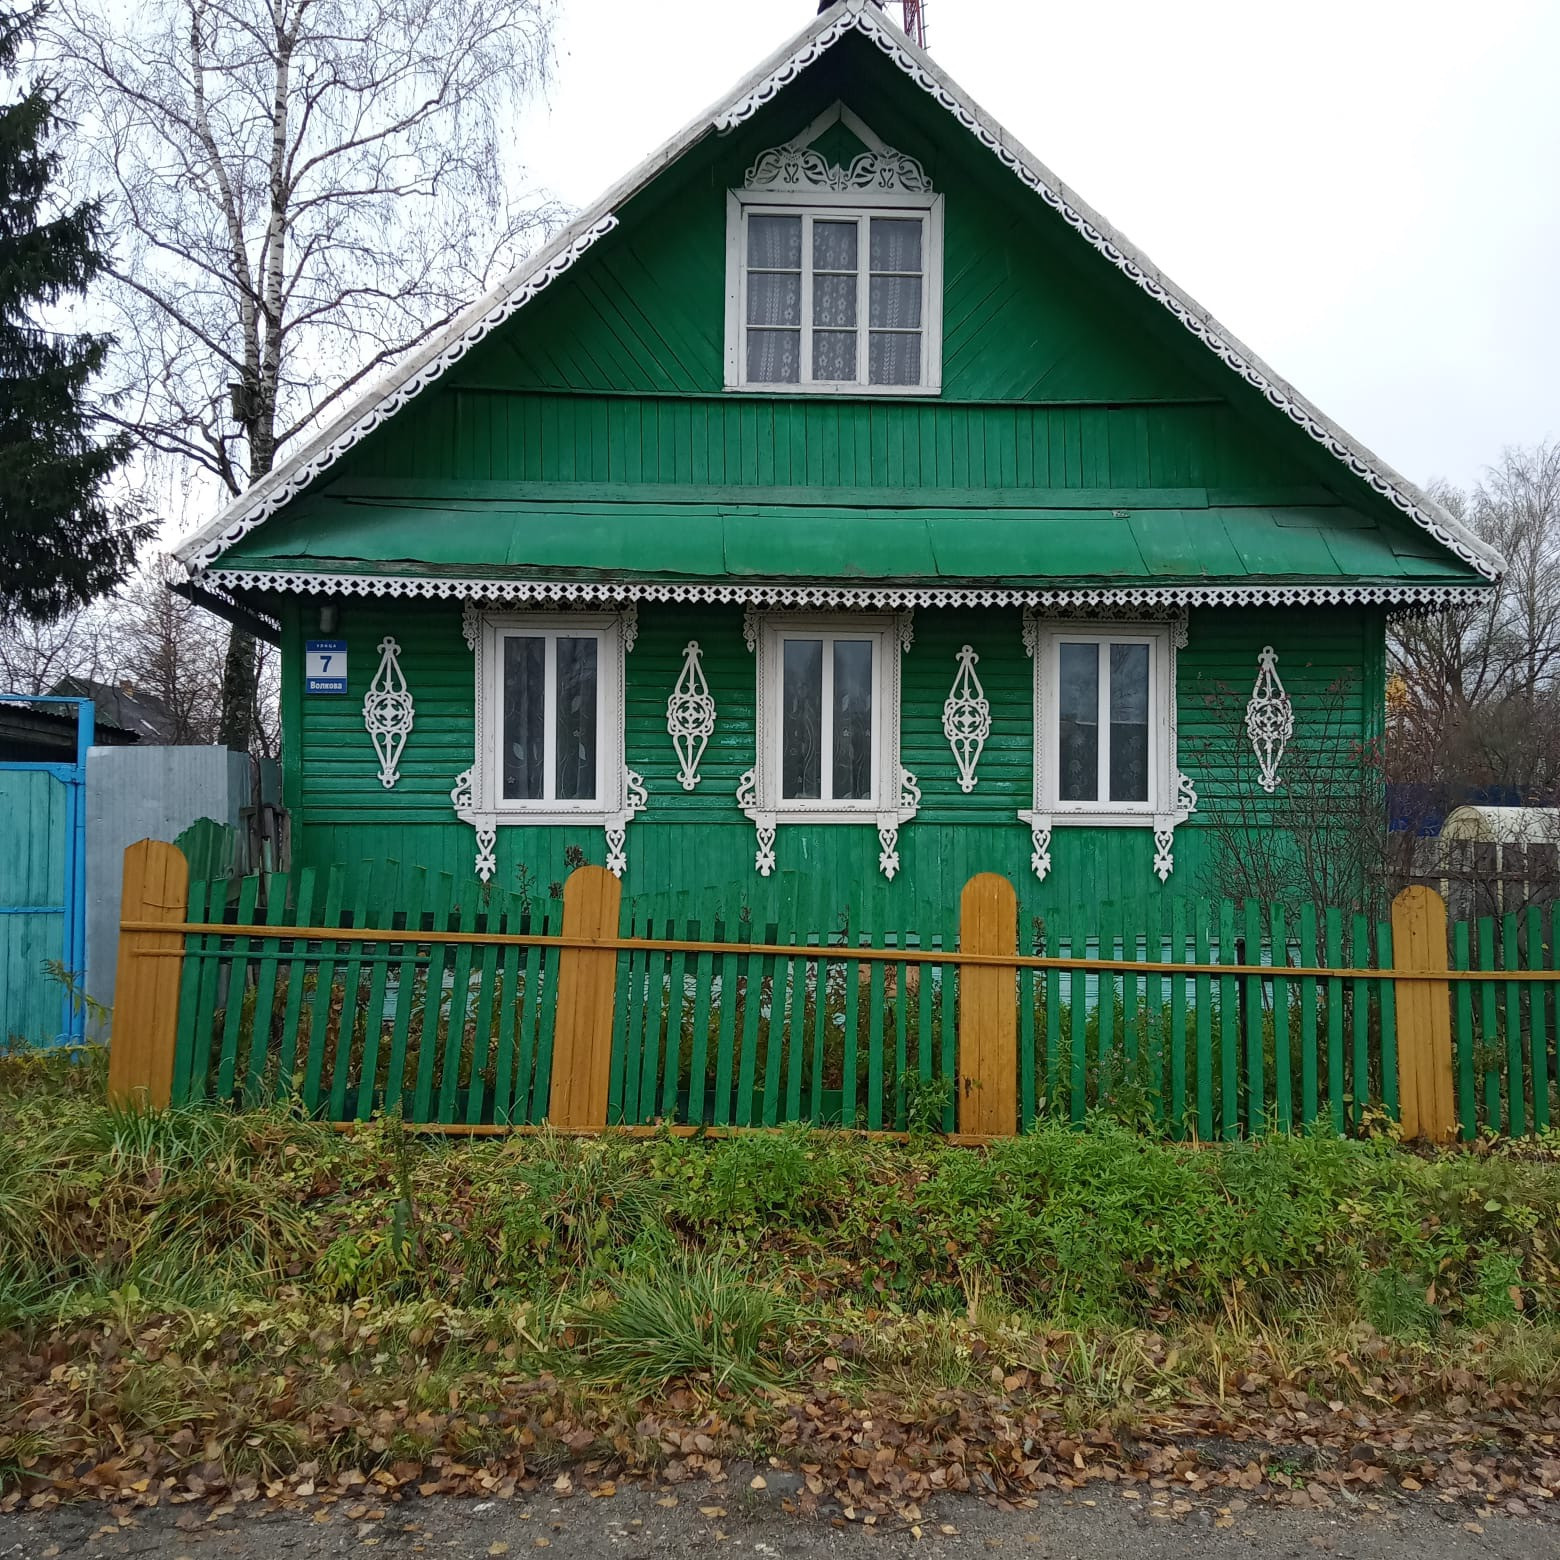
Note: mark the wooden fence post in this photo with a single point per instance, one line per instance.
(587, 994)
(145, 1022)
(1424, 1015)
(988, 1009)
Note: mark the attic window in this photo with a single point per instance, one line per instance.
(834, 274)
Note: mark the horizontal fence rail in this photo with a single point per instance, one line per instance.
(469, 1009)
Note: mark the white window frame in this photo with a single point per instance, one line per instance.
(883, 630)
(1162, 774)
(611, 769)
(829, 205)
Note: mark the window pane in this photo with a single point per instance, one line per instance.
(1129, 723)
(774, 357)
(801, 721)
(576, 720)
(524, 716)
(834, 354)
(775, 243)
(774, 299)
(1078, 737)
(834, 246)
(852, 720)
(894, 359)
(895, 301)
(896, 244)
(834, 300)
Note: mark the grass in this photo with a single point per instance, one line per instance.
(258, 1291)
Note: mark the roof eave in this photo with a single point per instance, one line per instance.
(199, 550)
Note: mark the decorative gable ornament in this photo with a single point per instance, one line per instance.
(1270, 720)
(690, 716)
(801, 168)
(388, 712)
(967, 719)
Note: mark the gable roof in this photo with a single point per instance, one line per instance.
(252, 508)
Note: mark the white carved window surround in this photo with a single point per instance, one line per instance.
(1105, 732)
(549, 727)
(834, 274)
(827, 718)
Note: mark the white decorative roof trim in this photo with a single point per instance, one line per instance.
(1123, 255)
(759, 88)
(265, 498)
(863, 597)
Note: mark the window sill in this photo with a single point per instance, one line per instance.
(1103, 819)
(858, 392)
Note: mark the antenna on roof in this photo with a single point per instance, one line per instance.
(914, 17)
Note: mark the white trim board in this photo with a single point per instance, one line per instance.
(199, 550)
(853, 597)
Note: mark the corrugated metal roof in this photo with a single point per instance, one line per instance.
(680, 541)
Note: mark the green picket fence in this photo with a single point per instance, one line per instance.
(1202, 1029)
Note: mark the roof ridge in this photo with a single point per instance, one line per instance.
(252, 507)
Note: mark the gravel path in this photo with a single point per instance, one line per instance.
(641, 1522)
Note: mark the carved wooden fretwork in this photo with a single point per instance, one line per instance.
(1270, 720)
(801, 168)
(388, 712)
(967, 718)
(690, 716)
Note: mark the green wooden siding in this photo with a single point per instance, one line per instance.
(531, 436)
(343, 816)
(1057, 371)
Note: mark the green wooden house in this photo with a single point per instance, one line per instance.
(837, 509)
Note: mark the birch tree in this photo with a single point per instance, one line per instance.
(300, 192)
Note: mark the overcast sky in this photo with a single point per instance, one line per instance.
(1366, 192)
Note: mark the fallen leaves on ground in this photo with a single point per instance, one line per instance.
(71, 1415)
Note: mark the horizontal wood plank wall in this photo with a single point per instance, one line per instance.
(345, 818)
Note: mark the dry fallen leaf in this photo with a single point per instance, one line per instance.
(712, 1511)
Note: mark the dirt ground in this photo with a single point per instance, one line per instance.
(639, 1522)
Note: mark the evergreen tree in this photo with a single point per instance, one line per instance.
(61, 540)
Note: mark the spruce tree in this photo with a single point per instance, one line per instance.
(62, 540)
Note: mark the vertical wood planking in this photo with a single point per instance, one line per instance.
(485, 1038)
(1332, 930)
(145, 1031)
(1256, 1082)
(187, 1088)
(406, 982)
(1387, 1012)
(265, 992)
(1489, 1024)
(324, 980)
(453, 1065)
(1283, 1074)
(1423, 1008)
(735, 973)
(1538, 1007)
(237, 983)
(1229, 1028)
(582, 1040)
(1359, 1077)
(713, 922)
(1310, 996)
(1203, 996)
(1516, 1073)
(1467, 1092)
(351, 990)
(287, 1079)
(988, 1036)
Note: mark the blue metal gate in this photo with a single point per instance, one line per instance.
(43, 900)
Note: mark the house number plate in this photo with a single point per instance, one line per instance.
(325, 666)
